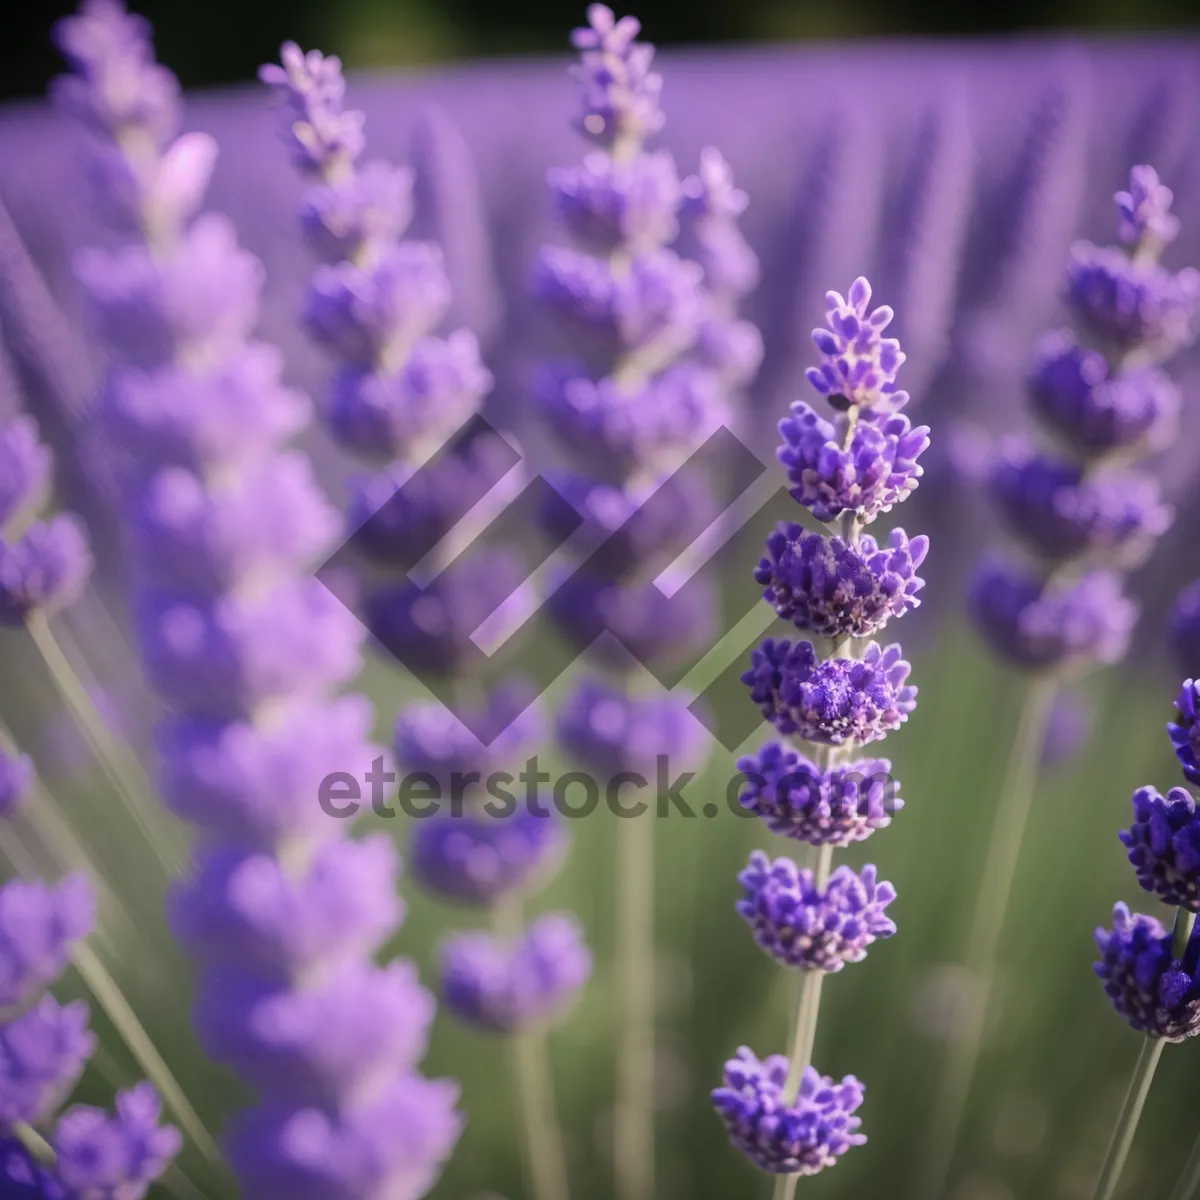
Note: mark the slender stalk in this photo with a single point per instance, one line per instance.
(123, 771)
(1127, 1119)
(112, 1000)
(543, 1136)
(529, 1057)
(1188, 1187)
(634, 1126)
(987, 923)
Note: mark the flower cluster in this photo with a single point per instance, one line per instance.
(44, 1047)
(647, 293)
(1184, 631)
(803, 924)
(782, 1136)
(1080, 509)
(400, 395)
(845, 586)
(486, 855)
(44, 564)
(1151, 974)
(282, 913)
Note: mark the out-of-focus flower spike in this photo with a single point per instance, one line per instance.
(449, 199)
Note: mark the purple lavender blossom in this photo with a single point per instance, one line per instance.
(1095, 410)
(612, 732)
(1185, 730)
(1037, 626)
(254, 785)
(635, 525)
(860, 366)
(21, 1176)
(116, 84)
(874, 473)
(1156, 993)
(231, 413)
(310, 87)
(1164, 845)
(1145, 210)
(804, 925)
(25, 467)
(657, 629)
(621, 430)
(401, 513)
(711, 206)
(244, 909)
(42, 1055)
(834, 700)
(39, 926)
(391, 1144)
(1184, 627)
(16, 781)
(431, 628)
(1063, 514)
(480, 858)
(231, 654)
(344, 1035)
(619, 93)
(433, 740)
(1139, 309)
(838, 589)
(115, 1156)
(834, 807)
(604, 204)
(271, 521)
(508, 987)
(788, 1137)
(47, 569)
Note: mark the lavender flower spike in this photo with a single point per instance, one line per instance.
(281, 911)
(39, 925)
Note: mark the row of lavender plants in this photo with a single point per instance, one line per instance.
(285, 914)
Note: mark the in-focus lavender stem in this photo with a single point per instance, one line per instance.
(1127, 1119)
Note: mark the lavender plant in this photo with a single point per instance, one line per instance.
(1151, 974)
(282, 912)
(658, 353)
(842, 587)
(1086, 515)
(45, 1045)
(400, 395)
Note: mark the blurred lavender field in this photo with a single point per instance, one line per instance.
(956, 176)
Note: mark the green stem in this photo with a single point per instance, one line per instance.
(1188, 1187)
(112, 1000)
(545, 1159)
(124, 773)
(543, 1135)
(987, 923)
(1127, 1119)
(634, 1125)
